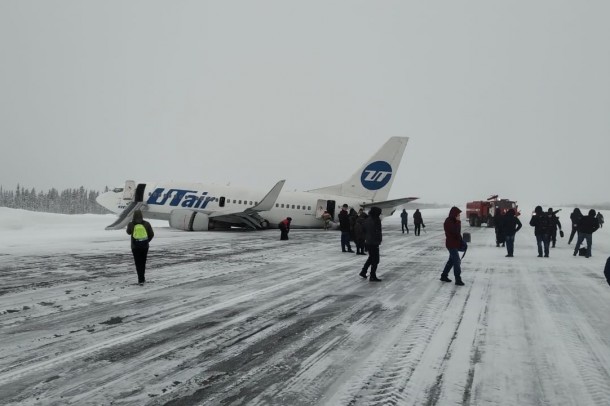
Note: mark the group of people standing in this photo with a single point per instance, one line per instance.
(418, 221)
(365, 230)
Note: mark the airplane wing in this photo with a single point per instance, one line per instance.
(389, 204)
(250, 217)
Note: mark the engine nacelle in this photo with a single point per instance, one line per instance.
(189, 220)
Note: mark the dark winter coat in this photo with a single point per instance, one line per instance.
(453, 229)
(344, 224)
(541, 222)
(589, 223)
(372, 227)
(555, 223)
(417, 219)
(511, 223)
(576, 216)
(359, 236)
(139, 219)
(498, 219)
(404, 217)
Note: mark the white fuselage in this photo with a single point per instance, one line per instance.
(160, 199)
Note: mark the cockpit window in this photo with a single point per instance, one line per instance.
(117, 189)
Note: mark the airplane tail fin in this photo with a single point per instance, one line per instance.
(375, 177)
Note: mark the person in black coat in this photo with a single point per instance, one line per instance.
(404, 221)
(498, 218)
(372, 239)
(359, 237)
(418, 222)
(510, 225)
(345, 227)
(586, 227)
(576, 216)
(555, 224)
(542, 230)
(141, 235)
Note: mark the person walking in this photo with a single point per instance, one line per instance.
(284, 227)
(498, 218)
(418, 222)
(555, 224)
(453, 241)
(344, 226)
(404, 220)
(141, 233)
(542, 225)
(510, 226)
(600, 219)
(575, 217)
(359, 237)
(372, 239)
(586, 227)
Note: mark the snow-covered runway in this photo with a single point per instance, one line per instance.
(233, 318)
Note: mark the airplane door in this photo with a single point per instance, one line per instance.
(320, 208)
(140, 192)
(330, 207)
(129, 190)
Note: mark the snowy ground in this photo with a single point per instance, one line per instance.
(235, 318)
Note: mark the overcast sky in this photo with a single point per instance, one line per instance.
(497, 97)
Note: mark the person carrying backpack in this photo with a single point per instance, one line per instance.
(141, 235)
(542, 230)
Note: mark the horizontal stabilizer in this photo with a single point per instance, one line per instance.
(389, 204)
(125, 217)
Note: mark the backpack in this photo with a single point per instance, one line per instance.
(139, 233)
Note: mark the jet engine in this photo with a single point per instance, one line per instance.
(189, 220)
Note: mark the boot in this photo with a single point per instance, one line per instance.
(374, 278)
(459, 282)
(444, 278)
(363, 273)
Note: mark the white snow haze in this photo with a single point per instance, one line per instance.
(508, 98)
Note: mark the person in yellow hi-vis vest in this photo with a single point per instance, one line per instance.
(141, 234)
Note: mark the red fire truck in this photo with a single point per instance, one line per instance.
(482, 211)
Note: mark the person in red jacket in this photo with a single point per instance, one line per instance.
(453, 241)
(284, 227)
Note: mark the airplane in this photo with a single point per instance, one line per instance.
(201, 207)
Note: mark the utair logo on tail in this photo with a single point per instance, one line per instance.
(376, 175)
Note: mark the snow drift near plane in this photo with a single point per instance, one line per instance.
(201, 207)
